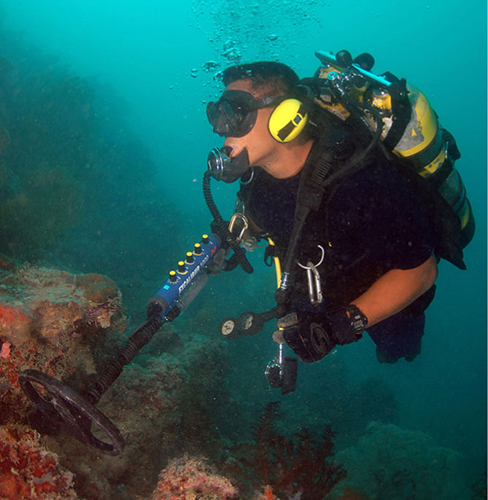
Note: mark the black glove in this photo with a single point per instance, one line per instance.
(313, 335)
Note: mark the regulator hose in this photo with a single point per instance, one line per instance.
(353, 106)
(223, 230)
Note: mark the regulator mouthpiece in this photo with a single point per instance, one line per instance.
(223, 168)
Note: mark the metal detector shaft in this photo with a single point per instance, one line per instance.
(178, 291)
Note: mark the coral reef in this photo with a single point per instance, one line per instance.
(390, 462)
(54, 321)
(28, 470)
(161, 405)
(339, 394)
(50, 320)
(191, 479)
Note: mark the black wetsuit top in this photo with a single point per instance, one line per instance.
(368, 224)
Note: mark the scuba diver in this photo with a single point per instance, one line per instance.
(359, 248)
(351, 179)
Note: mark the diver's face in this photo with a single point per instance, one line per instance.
(260, 145)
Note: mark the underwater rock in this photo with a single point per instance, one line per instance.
(191, 478)
(50, 321)
(28, 470)
(390, 462)
(48, 304)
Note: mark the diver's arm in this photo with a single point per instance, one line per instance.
(395, 290)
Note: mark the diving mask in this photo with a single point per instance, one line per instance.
(235, 113)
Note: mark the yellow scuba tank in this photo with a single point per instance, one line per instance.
(410, 130)
(425, 145)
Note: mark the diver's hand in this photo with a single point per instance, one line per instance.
(313, 335)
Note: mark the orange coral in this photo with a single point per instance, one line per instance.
(28, 470)
(267, 494)
(15, 322)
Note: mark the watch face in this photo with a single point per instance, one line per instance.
(358, 326)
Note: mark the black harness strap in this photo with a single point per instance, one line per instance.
(320, 171)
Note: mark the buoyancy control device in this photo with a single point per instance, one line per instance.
(425, 152)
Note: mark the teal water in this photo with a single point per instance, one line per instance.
(153, 58)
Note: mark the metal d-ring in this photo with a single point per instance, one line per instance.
(313, 277)
(245, 182)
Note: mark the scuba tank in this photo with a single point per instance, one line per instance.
(410, 129)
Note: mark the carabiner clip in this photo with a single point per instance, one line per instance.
(245, 223)
(313, 278)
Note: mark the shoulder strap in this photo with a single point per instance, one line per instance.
(332, 159)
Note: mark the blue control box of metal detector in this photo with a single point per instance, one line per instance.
(187, 273)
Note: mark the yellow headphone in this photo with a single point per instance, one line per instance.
(288, 120)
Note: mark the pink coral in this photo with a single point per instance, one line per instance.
(191, 478)
(28, 470)
(5, 351)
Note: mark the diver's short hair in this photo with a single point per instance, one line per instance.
(277, 76)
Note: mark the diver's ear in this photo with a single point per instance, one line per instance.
(288, 120)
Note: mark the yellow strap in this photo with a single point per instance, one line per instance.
(277, 265)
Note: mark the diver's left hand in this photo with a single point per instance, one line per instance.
(313, 335)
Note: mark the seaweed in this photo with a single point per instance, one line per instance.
(298, 467)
